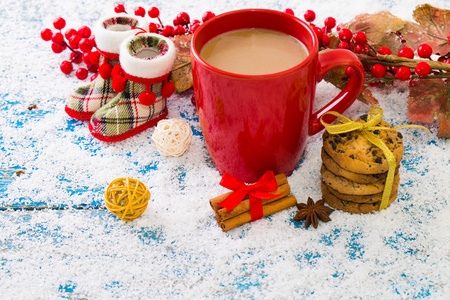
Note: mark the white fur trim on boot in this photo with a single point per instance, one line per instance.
(142, 65)
(109, 33)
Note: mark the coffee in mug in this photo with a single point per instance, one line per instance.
(254, 51)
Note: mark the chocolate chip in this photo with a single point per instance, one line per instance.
(333, 145)
(352, 156)
(340, 151)
(376, 132)
(337, 140)
(378, 160)
(399, 135)
(364, 118)
(390, 141)
(356, 137)
(377, 176)
(374, 152)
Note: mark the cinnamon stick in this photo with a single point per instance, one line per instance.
(214, 202)
(268, 209)
(222, 214)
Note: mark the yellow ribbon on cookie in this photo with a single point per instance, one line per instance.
(374, 118)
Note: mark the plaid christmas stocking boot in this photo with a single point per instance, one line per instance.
(146, 61)
(109, 34)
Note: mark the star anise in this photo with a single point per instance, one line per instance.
(313, 212)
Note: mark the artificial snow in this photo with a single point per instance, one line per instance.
(175, 249)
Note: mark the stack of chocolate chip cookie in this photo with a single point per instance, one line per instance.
(354, 170)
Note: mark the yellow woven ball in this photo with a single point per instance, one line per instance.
(127, 198)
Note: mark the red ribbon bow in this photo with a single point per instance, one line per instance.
(256, 192)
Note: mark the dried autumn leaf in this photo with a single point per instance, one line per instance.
(380, 29)
(432, 27)
(181, 74)
(428, 100)
(444, 125)
(338, 78)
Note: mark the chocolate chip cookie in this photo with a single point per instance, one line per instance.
(352, 207)
(354, 153)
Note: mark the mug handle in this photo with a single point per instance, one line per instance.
(328, 60)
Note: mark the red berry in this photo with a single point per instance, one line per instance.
(325, 29)
(153, 12)
(441, 59)
(394, 69)
(168, 89)
(76, 57)
(359, 49)
(66, 67)
(179, 30)
(344, 45)
(326, 40)
(403, 73)
(183, 18)
(85, 45)
(57, 38)
(139, 11)
(406, 52)
(309, 16)
(289, 11)
(319, 32)
(207, 15)
(153, 27)
(194, 27)
(360, 37)
(448, 37)
(330, 22)
(92, 39)
(59, 23)
(147, 99)
(384, 51)
(69, 33)
(345, 35)
(93, 68)
(195, 21)
(447, 61)
(422, 69)
(46, 34)
(105, 71)
(57, 48)
(81, 73)
(74, 41)
(84, 31)
(119, 8)
(94, 57)
(349, 72)
(378, 70)
(85, 58)
(424, 51)
(167, 31)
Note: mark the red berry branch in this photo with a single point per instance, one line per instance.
(393, 50)
(79, 42)
(382, 66)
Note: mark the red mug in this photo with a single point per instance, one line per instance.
(255, 123)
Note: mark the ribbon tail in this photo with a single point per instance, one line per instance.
(233, 200)
(387, 189)
(392, 164)
(256, 208)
